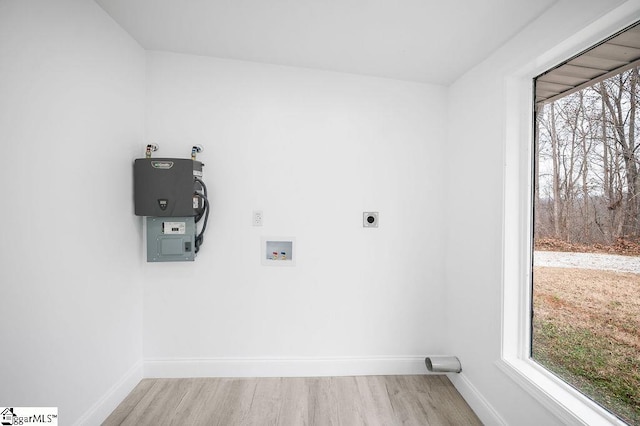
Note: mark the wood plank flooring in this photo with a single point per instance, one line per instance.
(341, 401)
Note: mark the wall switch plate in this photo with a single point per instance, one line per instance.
(370, 219)
(257, 218)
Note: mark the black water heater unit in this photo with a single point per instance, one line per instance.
(164, 187)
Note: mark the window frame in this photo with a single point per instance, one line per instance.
(567, 403)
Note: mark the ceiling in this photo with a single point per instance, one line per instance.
(617, 54)
(417, 40)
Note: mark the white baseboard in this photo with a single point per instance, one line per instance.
(114, 396)
(283, 367)
(485, 411)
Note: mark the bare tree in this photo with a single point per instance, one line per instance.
(587, 180)
(619, 96)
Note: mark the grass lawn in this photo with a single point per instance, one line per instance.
(586, 329)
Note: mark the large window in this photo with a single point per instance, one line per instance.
(585, 317)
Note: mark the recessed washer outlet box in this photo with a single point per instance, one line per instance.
(370, 219)
(278, 251)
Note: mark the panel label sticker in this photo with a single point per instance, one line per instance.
(173, 228)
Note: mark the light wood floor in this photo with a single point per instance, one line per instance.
(345, 401)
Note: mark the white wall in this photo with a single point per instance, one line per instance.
(475, 160)
(71, 121)
(313, 150)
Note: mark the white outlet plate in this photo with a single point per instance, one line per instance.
(257, 218)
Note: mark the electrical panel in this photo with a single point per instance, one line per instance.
(170, 192)
(170, 239)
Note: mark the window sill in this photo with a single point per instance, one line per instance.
(569, 405)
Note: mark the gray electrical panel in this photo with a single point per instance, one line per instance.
(171, 239)
(164, 187)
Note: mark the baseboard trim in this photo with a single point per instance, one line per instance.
(283, 367)
(483, 409)
(114, 396)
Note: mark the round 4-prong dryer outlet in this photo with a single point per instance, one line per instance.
(370, 219)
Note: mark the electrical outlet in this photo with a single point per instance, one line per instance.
(370, 219)
(257, 218)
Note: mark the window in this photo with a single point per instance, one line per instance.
(526, 356)
(586, 224)
(585, 316)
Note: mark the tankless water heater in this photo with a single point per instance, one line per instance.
(164, 187)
